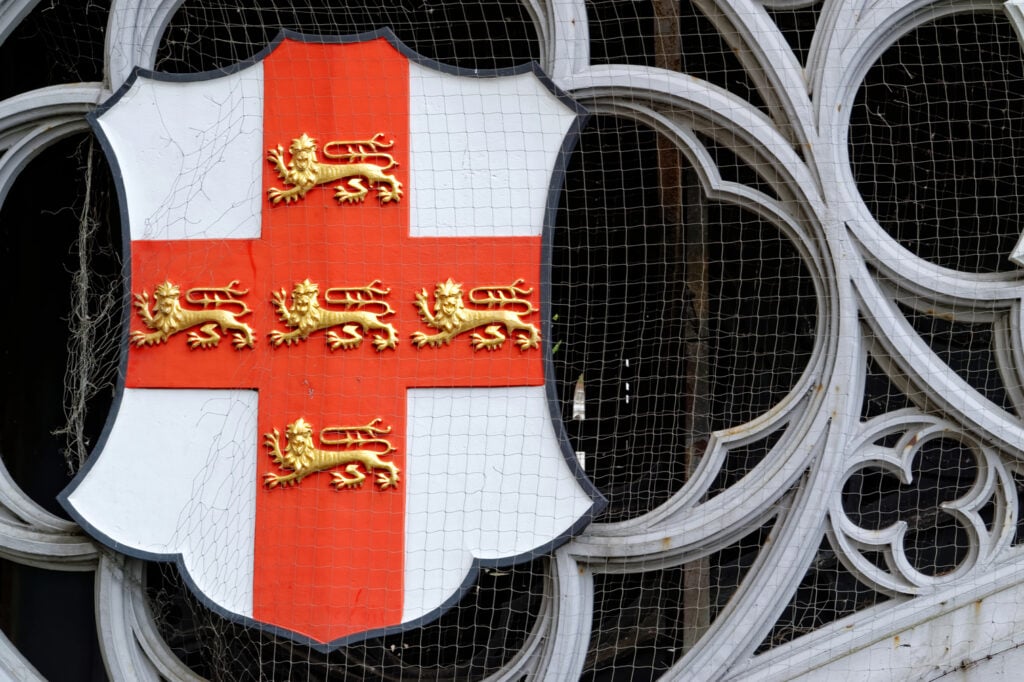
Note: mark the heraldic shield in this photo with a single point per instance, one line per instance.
(337, 400)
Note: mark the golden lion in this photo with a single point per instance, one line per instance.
(451, 316)
(302, 458)
(305, 172)
(169, 317)
(307, 316)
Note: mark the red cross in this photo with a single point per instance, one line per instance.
(330, 563)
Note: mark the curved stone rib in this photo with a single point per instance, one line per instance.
(570, 38)
(53, 551)
(764, 592)
(146, 634)
(721, 109)
(565, 648)
(44, 104)
(929, 374)
(525, 662)
(12, 12)
(122, 656)
(1008, 347)
(537, 9)
(14, 666)
(840, 58)
(134, 30)
(24, 508)
(771, 63)
(702, 530)
(131, 647)
(934, 285)
(788, 215)
(32, 144)
(665, 534)
(788, 4)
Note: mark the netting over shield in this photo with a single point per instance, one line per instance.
(785, 335)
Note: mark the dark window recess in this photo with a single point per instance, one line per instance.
(937, 142)
(491, 34)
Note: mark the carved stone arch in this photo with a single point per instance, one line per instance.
(791, 501)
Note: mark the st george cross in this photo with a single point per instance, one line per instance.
(336, 400)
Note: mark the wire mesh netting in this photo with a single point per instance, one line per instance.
(783, 339)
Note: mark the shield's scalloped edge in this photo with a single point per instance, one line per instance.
(569, 143)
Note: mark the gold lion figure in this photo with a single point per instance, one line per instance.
(305, 171)
(451, 317)
(169, 317)
(360, 446)
(307, 315)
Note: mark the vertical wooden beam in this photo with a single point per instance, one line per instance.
(685, 215)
